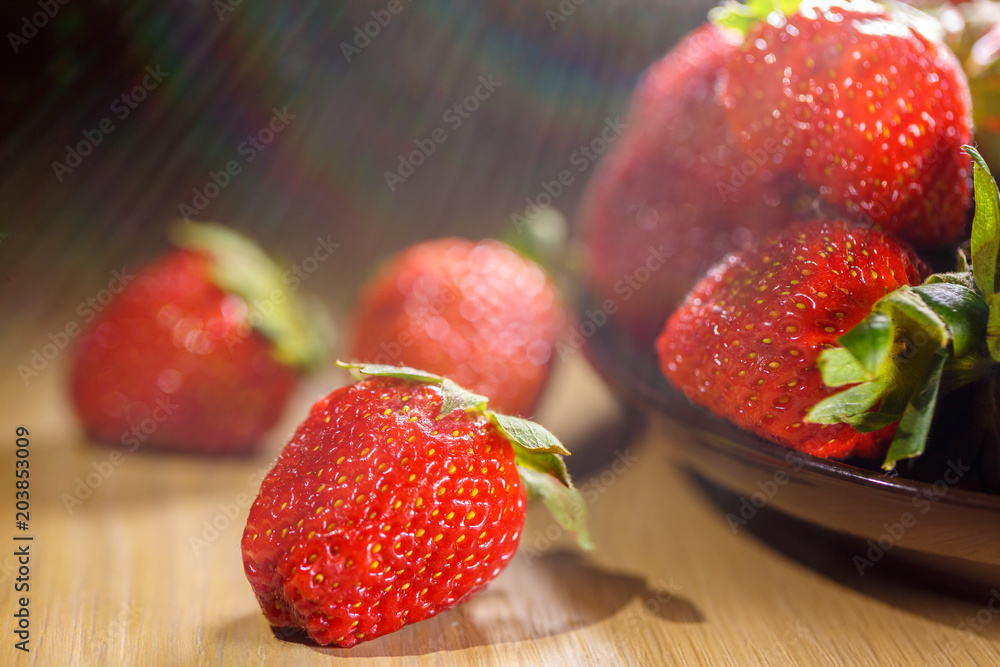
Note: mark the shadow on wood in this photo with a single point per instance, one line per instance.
(535, 598)
(892, 579)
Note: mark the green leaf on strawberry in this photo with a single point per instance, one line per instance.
(384, 370)
(920, 341)
(742, 16)
(986, 227)
(915, 425)
(900, 351)
(867, 346)
(528, 434)
(296, 327)
(569, 509)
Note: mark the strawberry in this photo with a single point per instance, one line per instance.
(174, 362)
(476, 312)
(746, 341)
(867, 108)
(399, 496)
(677, 191)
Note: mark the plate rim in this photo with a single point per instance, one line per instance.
(669, 403)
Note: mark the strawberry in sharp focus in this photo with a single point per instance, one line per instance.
(676, 192)
(746, 341)
(865, 104)
(398, 497)
(474, 311)
(200, 352)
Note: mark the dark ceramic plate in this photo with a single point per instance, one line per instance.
(936, 517)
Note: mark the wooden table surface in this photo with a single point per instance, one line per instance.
(136, 561)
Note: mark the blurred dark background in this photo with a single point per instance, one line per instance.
(215, 71)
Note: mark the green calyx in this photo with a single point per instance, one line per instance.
(742, 16)
(919, 342)
(541, 237)
(295, 326)
(896, 359)
(537, 452)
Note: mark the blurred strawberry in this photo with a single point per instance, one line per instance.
(677, 192)
(866, 105)
(746, 341)
(972, 32)
(199, 353)
(476, 312)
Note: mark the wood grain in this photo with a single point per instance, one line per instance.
(122, 579)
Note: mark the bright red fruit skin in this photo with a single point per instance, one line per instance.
(746, 341)
(867, 110)
(172, 363)
(476, 312)
(379, 513)
(677, 192)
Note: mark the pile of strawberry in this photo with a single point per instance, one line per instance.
(816, 140)
(759, 119)
(830, 152)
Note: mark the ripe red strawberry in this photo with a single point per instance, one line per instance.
(676, 192)
(746, 341)
(476, 312)
(865, 107)
(174, 362)
(397, 498)
(972, 32)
